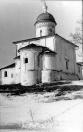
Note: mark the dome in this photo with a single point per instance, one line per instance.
(45, 17)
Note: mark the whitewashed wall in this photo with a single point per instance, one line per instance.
(17, 71)
(48, 67)
(82, 72)
(79, 53)
(20, 45)
(45, 28)
(8, 79)
(29, 71)
(48, 61)
(79, 71)
(46, 42)
(65, 51)
(48, 76)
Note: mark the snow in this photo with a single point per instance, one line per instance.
(42, 112)
(77, 82)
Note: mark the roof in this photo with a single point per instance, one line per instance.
(45, 17)
(38, 38)
(17, 57)
(31, 39)
(80, 63)
(9, 66)
(67, 41)
(35, 46)
(29, 46)
(48, 52)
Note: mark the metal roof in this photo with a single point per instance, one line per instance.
(45, 17)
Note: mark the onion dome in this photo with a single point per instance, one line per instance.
(45, 17)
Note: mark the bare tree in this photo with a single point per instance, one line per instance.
(77, 37)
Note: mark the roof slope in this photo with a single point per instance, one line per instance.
(80, 63)
(17, 57)
(38, 38)
(35, 46)
(9, 66)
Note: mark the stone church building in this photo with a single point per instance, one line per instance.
(43, 59)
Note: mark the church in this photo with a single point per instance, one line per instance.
(46, 58)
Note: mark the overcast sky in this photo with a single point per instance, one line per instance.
(17, 18)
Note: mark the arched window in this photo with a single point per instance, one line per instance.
(26, 60)
(67, 64)
(79, 69)
(40, 32)
(5, 74)
(50, 30)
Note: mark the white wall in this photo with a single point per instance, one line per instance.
(65, 51)
(47, 41)
(48, 61)
(29, 71)
(48, 76)
(79, 71)
(8, 79)
(79, 53)
(17, 71)
(45, 28)
(20, 45)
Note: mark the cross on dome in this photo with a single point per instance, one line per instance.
(44, 6)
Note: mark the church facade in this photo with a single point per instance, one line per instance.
(44, 59)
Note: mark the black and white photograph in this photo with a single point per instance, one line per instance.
(41, 66)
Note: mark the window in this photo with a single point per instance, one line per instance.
(11, 75)
(67, 64)
(5, 74)
(50, 30)
(40, 32)
(26, 60)
(79, 69)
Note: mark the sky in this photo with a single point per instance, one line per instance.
(17, 18)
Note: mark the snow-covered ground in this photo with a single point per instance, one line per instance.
(42, 112)
(77, 82)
